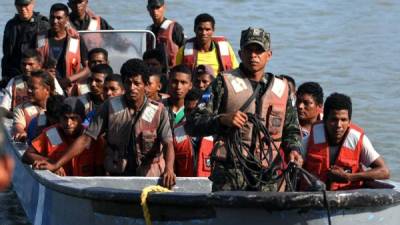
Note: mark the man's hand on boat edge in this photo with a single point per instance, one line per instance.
(169, 178)
(46, 165)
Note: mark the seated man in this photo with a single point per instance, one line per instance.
(153, 90)
(192, 154)
(309, 103)
(154, 59)
(45, 119)
(204, 76)
(134, 128)
(95, 97)
(16, 91)
(40, 88)
(113, 86)
(336, 148)
(52, 143)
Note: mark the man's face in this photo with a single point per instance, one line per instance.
(337, 122)
(134, 88)
(30, 65)
(157, 13)
(204, 32)
(96, 59)
(307, 108)
(180, 84)
(52, 71)
(254, 57)
(203, 81)
(25, 12)
(96, 83)
(78, 7)
(154, 63)
(37, 91)
(153, 87)
(58, 20)
(112, 89)
(71, 124)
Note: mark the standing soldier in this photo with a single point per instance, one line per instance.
(253, 118)
(20, 34)
(169, 33)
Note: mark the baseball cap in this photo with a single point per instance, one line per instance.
(22, 2)
(202, 69)
(74, 105)
(155, 3)
(255, 35)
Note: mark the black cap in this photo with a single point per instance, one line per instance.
(74, 105)
(22, 2)
(155, 3)
(255, 36)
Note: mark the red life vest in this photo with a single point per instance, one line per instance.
(164, 37)
(318, 158)
(19, 92)
(223, 54)
(54, 146)
(72, 54)
(187, 163)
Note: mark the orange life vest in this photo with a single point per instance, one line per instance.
(19, 92)
(223, 54)
(72, 54)
(272, 109)
(187, 162)
(318, 158)
(51, 144)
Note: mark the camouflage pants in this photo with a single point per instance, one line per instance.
(231, 179)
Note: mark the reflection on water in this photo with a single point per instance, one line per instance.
(348, 46)
(11, 211)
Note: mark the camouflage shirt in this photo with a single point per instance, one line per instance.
(203, 121)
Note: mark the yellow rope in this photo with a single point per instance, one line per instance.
(143, 200)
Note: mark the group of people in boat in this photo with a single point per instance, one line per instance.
(188, 108)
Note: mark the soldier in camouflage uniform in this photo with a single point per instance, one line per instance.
(224, 113)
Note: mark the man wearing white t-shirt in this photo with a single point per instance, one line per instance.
(337, 150)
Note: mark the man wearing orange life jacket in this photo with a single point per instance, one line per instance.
(40, 87)
(336, 149)
(194, 161)
(64, 45)
(309, 104)
(236, 96)
(204, 49)
(52, 143)
(185, 155)
(169, 33)
(16, 91)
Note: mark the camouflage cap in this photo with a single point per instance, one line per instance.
(155, 3)
(22, 2)
(255, 36)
